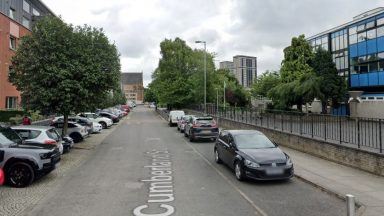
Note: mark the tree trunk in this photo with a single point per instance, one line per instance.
(65, 127)
(324, 107)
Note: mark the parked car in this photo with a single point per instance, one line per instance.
(104, 121)
(252, 155)
(1, 177)
(67, 143)
(201, 128)
(111, 116)
(97, 127)
(87, 123)
(125, 108)
(182, 121)
(76, 131)
(174, 115)
(23, 162)
(40, 134)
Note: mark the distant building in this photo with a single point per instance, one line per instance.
(227, 65)
(243, 67)
(16, 20)
(133, 88)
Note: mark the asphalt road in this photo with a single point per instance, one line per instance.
(181, 178)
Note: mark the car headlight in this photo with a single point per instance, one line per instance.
(251, 164)
(45, 155)
(289, 162)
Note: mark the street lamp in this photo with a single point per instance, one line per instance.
(205, 75)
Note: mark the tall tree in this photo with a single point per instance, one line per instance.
(332, 87)
(294, 69)
(59, 68)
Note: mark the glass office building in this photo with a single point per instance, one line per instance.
(357, 48)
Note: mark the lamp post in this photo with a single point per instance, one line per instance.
(205, 75)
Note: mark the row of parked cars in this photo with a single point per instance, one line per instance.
(28, 152)
(250, 153)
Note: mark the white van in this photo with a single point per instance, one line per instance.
(174, 115)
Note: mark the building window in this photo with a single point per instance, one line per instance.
(12, 13)
(26, 6)
(352, 30)
(25, 22)
(12, 43)
(361, 27)
(380, 21)
(370, 24)
(380, 31)
(35, 12)
(371, 34)
(11, 102)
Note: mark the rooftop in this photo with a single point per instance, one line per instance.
(132, 78)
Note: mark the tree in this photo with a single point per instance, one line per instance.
(264, 83)
(331, 86)
(295, 69)
(59, 68)
(149, 94)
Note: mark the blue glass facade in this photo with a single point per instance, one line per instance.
(358, 51)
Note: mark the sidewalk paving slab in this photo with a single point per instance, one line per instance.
(340, 180)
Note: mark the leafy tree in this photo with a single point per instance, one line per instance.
(149, 94)
(265, 83)
(294, 71)
(331, 86)
(59, 68)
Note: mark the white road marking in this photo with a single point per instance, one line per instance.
(258, 209)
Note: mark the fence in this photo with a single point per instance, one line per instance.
(361, 133)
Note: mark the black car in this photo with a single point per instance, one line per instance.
(252, 155)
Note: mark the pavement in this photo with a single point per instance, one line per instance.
(367, 188)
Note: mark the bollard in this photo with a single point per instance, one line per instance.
(350, 205)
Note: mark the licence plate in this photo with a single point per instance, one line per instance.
(206, 131)
(274, 171)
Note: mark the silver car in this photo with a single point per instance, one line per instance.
(40, 134)
(76, 131)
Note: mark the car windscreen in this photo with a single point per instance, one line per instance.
(253, 141)
(178, 113)
(8, 136)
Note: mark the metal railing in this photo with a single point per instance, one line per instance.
(361, 133)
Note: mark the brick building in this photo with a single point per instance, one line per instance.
(133, 88)
(16, 21)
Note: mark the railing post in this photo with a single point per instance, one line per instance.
(301, 124)
(340, 129)
(290, 119)
(274, 120)
(380, 138)
(282, 121)
(325, 128)
(312, 125)
(358, 133)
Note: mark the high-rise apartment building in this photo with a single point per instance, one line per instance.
(243, 67)
(16, 20)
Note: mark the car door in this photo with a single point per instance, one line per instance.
(231, 152)
(24, 134)
(222, 146)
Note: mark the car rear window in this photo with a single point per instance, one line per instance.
(52, 134)
(205, 120)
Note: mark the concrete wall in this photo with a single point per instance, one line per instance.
(367, 161)
(367, 109)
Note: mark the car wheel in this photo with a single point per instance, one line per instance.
(178, 128)
(76, 137)
(181, 131)
(239, 171)
(170, 123)
(20, 174)
(217, 157)
(103, 125)
(191, 139)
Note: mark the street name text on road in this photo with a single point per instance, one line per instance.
(161, 185)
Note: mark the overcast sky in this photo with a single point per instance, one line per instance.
(259, 28)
